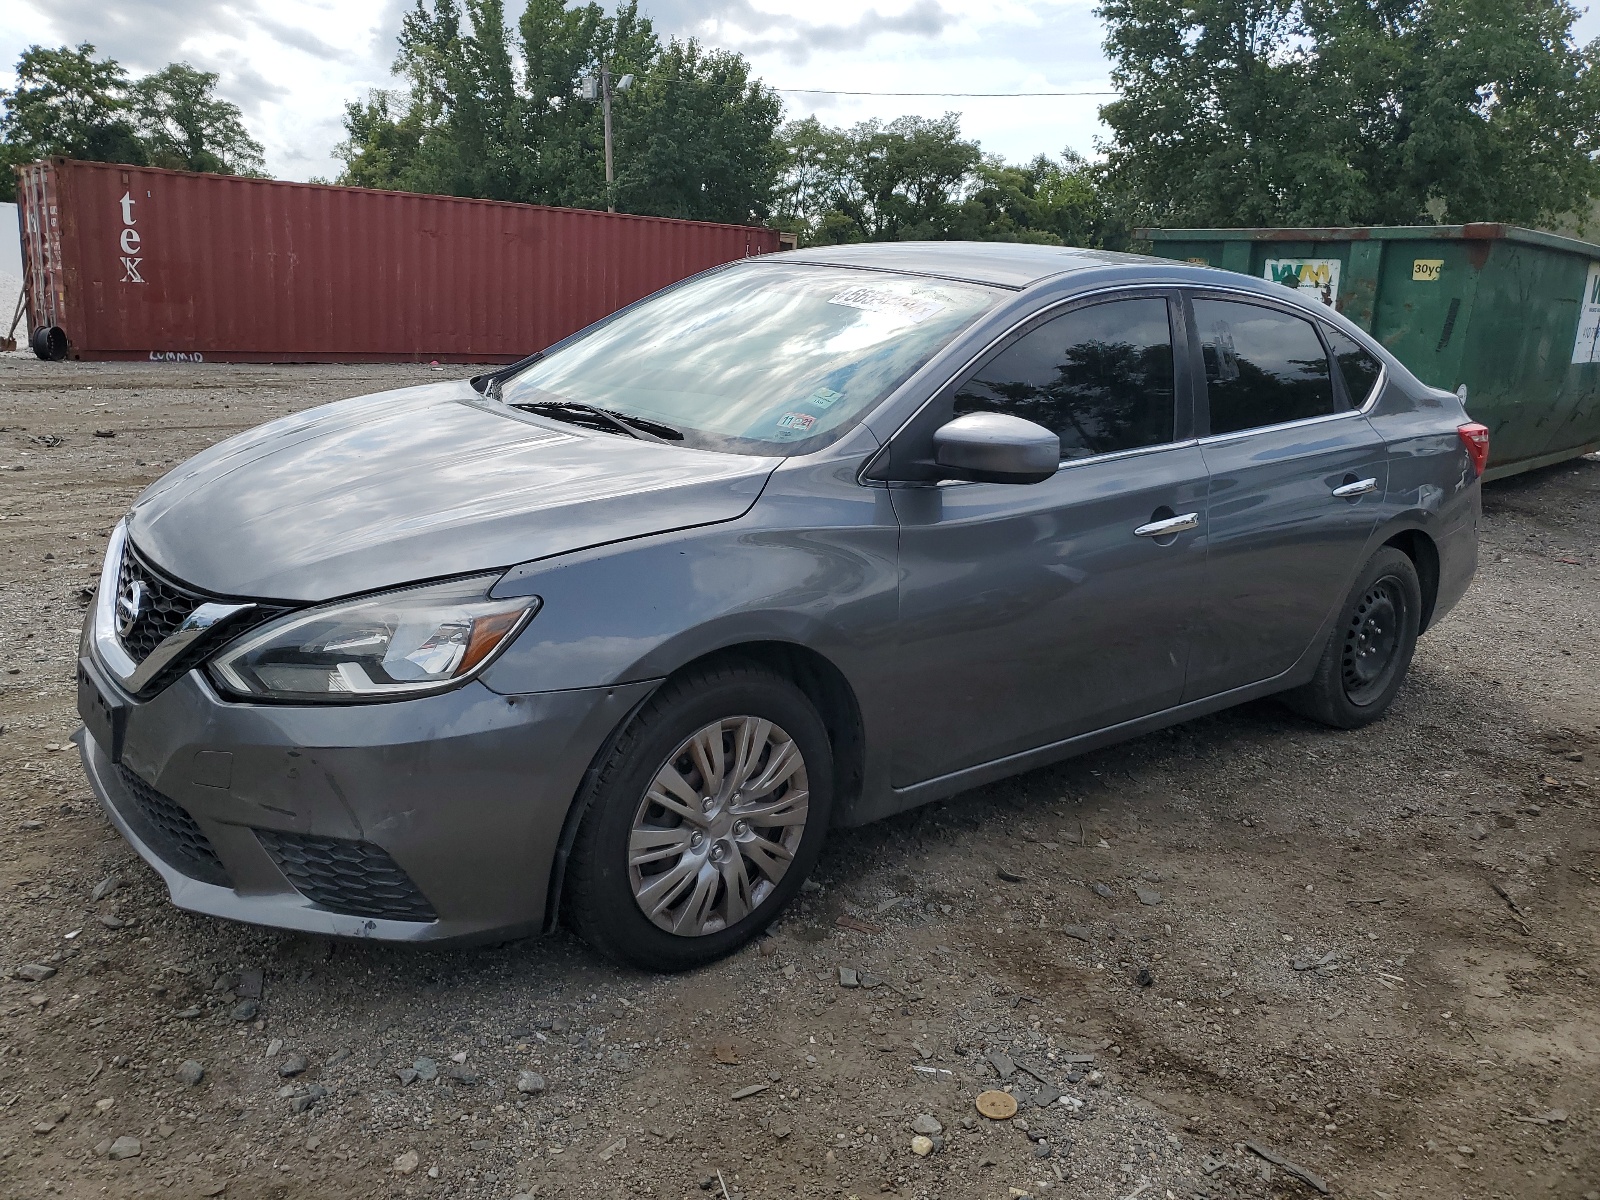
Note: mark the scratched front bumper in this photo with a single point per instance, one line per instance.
(465, 791)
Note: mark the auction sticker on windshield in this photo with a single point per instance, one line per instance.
(912, 309)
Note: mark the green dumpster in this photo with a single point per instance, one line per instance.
(1511, 314)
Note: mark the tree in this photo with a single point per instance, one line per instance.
(725, 169)
(67, 102)
(918, 178)
(186, 127)
(384, 138)
(1334, 112)
(693, 137)
(1060, 203)
(877, 181)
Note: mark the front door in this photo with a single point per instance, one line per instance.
(1030, 613)
(1297, 483)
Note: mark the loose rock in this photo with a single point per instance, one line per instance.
(34, 972)
(530, 1083)
(125, 1147)
(190, 1072)
(927, 1123)
(293, 1064)
(406, 1163)
(921, 1146)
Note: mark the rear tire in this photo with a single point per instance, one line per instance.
(688, 848)
(1364, 663)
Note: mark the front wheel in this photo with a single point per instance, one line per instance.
(706, 814)
(1367, 655)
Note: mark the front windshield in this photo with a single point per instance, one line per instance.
(761, 358)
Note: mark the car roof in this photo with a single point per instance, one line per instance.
(1005, 264)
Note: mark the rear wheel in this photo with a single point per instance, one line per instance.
(1367, 654)
(705, 816)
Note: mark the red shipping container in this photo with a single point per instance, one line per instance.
(140, 263)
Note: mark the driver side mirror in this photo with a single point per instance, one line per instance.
(996, 448)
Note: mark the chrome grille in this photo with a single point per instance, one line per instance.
(162, 606)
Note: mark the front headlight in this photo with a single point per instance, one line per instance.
(385, 647)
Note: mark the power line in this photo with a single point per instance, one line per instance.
(990, 95)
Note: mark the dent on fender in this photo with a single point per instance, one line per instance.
(642, 609)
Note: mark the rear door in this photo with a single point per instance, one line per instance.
(1029, 613)
(1297, 478)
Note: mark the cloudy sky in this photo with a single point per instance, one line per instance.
(292, 64)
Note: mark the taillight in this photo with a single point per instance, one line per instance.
(1475, 438)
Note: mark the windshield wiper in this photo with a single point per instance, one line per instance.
(634, 427)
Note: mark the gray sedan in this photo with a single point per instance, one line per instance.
(617, 634)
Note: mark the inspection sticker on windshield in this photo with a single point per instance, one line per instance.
(794, 420)
(882, 300)
(824, 398)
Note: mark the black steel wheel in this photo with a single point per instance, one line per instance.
(49, 343)
(1370, 653)
(1369, 650)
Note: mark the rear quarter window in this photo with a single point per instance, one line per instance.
(1358, 368)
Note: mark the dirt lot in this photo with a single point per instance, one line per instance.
(1371, 954)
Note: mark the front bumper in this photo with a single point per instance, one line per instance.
(422, 820)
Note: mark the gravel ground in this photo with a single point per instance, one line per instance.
(1371, 955)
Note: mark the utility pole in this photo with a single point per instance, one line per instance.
(593, 89)
(605, 104)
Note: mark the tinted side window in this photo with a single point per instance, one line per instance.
(1100, 377)
(1360, 369)
(1263, 367)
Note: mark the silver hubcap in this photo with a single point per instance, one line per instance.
(718, 826)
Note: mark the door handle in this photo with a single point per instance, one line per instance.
(1169, 526)
(1360, 487)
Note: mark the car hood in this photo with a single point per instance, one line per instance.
(416, 484)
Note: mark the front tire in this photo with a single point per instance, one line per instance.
(1370, 648)
(705, 815)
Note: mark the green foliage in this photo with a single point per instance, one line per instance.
(388, 132)
(917, 178)
(1338, 112)
(68, 102)
(185, 127)
(727, 169)
(693, 137)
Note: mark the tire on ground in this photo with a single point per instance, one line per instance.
(1338, 694)
(598, 900)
